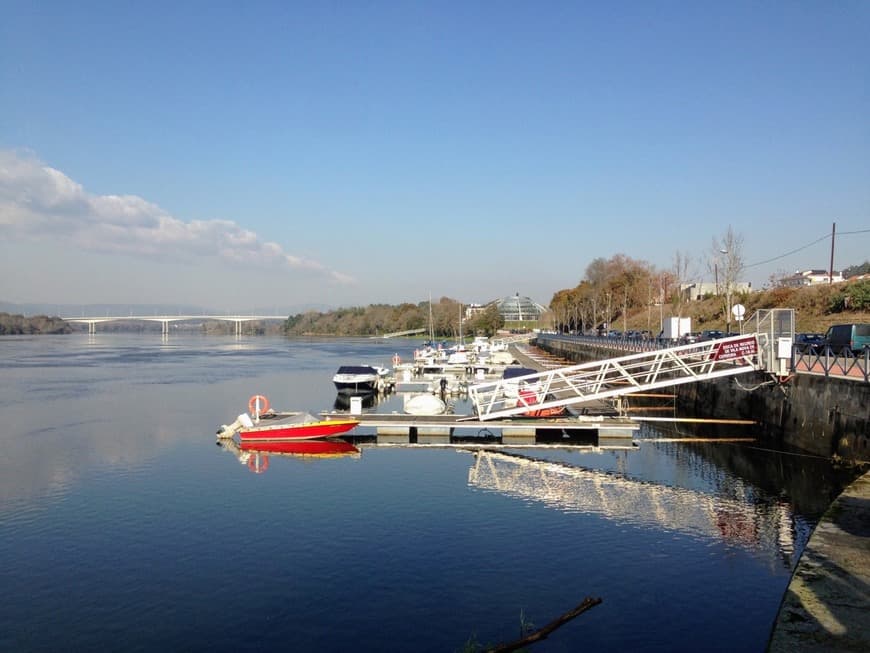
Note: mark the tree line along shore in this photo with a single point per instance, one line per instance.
(816, 308)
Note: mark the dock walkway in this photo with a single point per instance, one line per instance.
(611, 428)
(827, 604)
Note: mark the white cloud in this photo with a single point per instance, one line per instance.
(38, 202)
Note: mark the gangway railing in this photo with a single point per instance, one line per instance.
(505, 341)
(613, 377)
(406, 332)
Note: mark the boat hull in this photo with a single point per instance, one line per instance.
(356, 387)
(356, 379)
(296, 432)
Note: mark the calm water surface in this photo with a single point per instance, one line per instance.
(123, 527)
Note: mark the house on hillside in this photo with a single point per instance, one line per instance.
(811, 278)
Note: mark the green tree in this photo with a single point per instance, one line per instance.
(488, 322)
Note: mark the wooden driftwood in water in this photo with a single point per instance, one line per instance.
(544, 632)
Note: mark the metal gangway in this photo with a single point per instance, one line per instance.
(767, 347)
(505, 341)
(407, 332)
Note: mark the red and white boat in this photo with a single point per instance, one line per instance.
(271, 426)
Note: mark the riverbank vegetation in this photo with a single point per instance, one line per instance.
(624, 294)
(816, 308)
(16, 325)
(439, 319)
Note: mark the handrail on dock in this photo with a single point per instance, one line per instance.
(645, 371)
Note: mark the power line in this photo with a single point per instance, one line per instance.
(794, 251)
(816, 241)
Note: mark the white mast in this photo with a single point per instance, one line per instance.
(431, 326)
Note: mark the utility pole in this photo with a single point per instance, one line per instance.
(831, 268)
(624, 310)
(649, 308)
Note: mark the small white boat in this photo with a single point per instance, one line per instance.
(356, 379)
(425, 404)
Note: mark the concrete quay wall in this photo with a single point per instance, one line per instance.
(820, 415)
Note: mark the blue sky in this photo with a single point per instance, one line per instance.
(241, 155)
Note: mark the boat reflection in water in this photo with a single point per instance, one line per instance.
(256, 455)
(342, 400)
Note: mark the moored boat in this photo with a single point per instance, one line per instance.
(357, 379)
(425, 404)
(521, 385)
(270, 426)
(283, 427)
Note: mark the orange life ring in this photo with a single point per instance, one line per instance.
(258, 464)
(397, 359)
(252, 405)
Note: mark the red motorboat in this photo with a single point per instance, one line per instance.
(270, 426)
(528, 397)
(284, 427)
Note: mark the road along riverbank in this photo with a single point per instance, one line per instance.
(827, 603)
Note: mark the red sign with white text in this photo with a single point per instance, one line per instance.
(727, 351)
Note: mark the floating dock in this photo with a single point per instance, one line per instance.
(399, 428)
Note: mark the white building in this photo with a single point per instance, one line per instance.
(701, 289)
(811, 278)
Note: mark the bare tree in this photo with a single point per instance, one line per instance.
(680, 272)
(728, 249)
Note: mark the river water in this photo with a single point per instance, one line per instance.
(123, 527)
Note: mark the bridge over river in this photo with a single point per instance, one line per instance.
(166, 320)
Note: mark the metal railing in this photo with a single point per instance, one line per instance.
(824, 361)
(613, 377)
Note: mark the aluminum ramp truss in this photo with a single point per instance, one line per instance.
(613, 377)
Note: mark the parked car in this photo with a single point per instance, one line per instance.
(809, 343)
(848, 338)
(711, 334)
(689, 338)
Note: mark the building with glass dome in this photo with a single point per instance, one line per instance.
(519, 309)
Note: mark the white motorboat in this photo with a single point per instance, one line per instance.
(356, 379)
